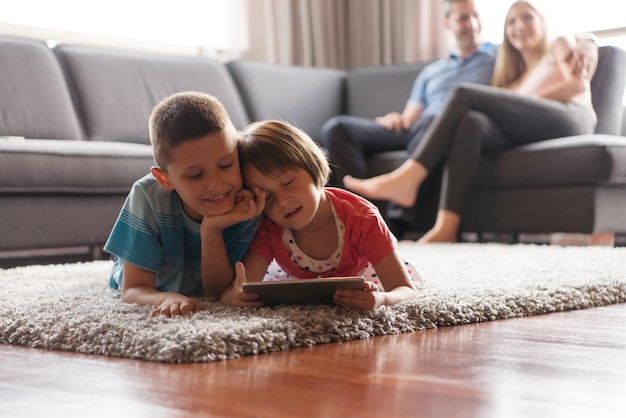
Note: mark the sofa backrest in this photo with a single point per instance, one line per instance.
(115, 91)
(607, 89)
(35, 99)
(305, 97)
(377, 90)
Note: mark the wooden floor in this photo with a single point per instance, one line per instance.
(558, 365)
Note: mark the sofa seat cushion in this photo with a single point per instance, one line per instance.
(64, 166)
(585, 160)
(571, 161)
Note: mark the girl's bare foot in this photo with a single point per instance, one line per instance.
(445, 229)
(399, 186)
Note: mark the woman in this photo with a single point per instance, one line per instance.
(540, 91)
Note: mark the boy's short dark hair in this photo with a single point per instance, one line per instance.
(182, 117)
(276, 145)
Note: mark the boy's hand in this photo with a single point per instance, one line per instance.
(248, 205)
(174, 305)
(367, 299)
(235, 296)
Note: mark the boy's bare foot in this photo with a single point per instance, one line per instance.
(399, 186)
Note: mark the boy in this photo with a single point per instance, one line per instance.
(185, 224)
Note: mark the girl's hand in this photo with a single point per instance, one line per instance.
(235, 296)
(367, 299)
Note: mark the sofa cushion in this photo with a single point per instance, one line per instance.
(571, 161)
(306, 97)
(377, 90)
(584, 160)
(35, 101)
(116, 90)
(61, 166)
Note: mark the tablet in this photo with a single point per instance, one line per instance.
(303, 291)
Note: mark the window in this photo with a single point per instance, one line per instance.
(563, 17)
(186, 26)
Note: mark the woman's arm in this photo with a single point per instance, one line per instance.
(573, 62)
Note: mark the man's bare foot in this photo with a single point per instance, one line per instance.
(446, 228)
(399, 186)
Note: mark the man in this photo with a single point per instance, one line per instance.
(351, 140)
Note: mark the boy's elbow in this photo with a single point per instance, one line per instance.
(125, 296)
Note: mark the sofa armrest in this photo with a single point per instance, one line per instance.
(607, 89)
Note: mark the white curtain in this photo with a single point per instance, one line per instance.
(344, 33)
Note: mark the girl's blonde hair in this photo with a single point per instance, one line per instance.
(510, 65)
(274, 145)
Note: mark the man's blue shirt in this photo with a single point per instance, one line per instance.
(436, 80)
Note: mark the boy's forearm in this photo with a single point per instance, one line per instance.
(142, 295)
(138, 286)
(217, 273)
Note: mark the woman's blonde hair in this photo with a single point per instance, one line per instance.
(274, 145)
(510, 65)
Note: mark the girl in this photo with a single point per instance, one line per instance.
(312, 231)
(542, 91)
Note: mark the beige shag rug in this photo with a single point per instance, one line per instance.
(70, 307)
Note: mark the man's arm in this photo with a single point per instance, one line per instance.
(396, 121)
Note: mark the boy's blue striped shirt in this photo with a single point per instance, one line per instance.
(153, 232)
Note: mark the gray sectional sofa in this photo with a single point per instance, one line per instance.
(73, 122)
